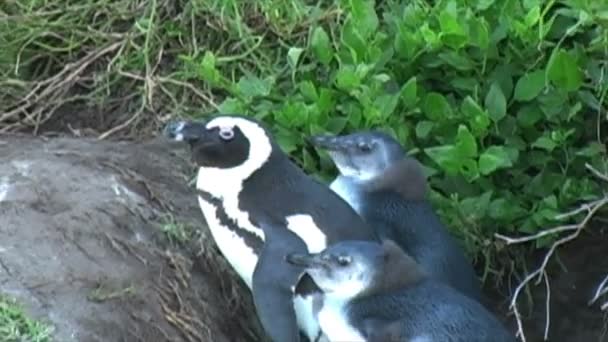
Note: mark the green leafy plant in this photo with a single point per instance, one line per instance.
(503, 101)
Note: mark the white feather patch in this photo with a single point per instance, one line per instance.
(347, 190)
(305, 227)
(333, 321)
(307, 321)
(240, 256)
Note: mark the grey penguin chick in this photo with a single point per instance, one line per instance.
(388, 189)
(259, 205)
(375, 292)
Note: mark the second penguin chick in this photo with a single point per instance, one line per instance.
(375, 292)
(388, 189)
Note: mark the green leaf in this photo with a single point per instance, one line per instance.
(532, 17)
(496, 103)
(483, 5)
(436, 107)
(494, 158)
(477, 117)
(564, 72)
(308, 90)
(452, 33)
(406, 44)
(529, 115)
(347, 78)
(336, 124)
(308, 160)
(529, 85)
(545, 142)
(252, 86)
(208, 71)
(364, 16)
(321, 46)
(592, 150)
(386, 104)
(232, 105)
(408, 93)
(457, 61)
(325, 102)
(423, 128)
(469, 169)
(286, 140)
(465, 142)
(293, 56)
(479, 32)
(505, 209)
(446, 157)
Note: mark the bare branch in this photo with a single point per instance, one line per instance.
(591, 209)
(547, 305)
(510, 240)
(596, 173)
(601, 290)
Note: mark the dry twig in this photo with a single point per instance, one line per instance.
(591, 209)
(46, 96)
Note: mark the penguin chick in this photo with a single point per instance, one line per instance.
(375, 292)
(388, 189)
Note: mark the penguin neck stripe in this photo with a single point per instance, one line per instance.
(228, 182)
(252, 240)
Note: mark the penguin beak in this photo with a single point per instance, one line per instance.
(188, 131)
(305, 260)
(329, 142)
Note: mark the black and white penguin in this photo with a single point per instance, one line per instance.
(388, 189)
(259, 205)
(375, 292)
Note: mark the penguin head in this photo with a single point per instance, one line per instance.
(362, 155)
(225, 142)
(349, 269)
(343, 270)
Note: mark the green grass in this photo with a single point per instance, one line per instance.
(176, 232)
(15, 326)
(503, 101)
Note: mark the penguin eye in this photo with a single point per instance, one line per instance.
(364, 147)
(344, 260)
(226, 134)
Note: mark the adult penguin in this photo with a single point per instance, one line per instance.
(259, 206)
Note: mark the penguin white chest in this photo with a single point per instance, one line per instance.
(347, 190)
(333, 321)
(232, 246)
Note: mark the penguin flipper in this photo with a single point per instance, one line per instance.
(273, 283)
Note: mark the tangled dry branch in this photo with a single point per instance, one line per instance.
(48, 95)
(591, 208)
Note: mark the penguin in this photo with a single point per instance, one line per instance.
(258, 205)
(388, 189)
(375, 292)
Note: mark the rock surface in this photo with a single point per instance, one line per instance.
(81, 244)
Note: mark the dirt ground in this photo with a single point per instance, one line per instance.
(579, 268)
(81, 245)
